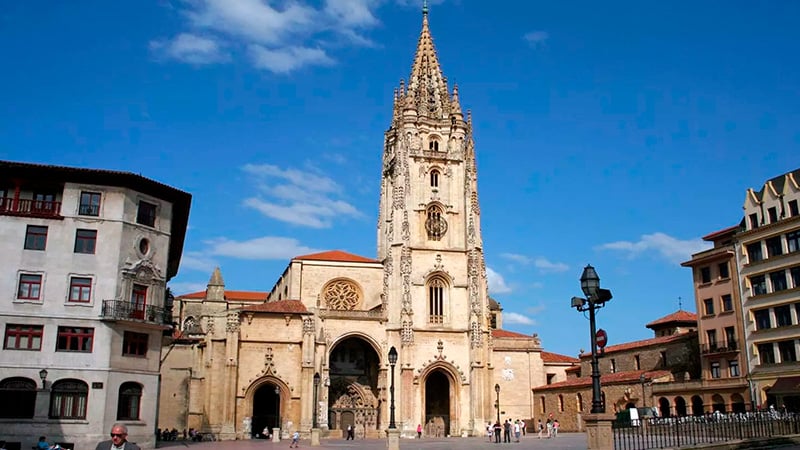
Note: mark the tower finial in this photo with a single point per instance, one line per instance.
(425, 7)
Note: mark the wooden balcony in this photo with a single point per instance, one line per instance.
(120, 310)
(30, 208)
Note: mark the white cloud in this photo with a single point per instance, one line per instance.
(279, 37)
(517, 318)
(186, 287)
(663, 245)
(497, 285)
(308, 199)
(197, 261)
(537, 38)
(267, 247)
(544, 265)
(522, 259)
(190, 48)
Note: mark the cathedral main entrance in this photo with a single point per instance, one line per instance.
(438, 404)
(353, 393)
(266, 410)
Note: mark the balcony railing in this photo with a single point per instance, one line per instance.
(122, 310)
(31, 208)
(730, 346)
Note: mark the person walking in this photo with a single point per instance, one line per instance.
(489, 431)
(540, 426)
(295, 439)
(118, 441)
(555, 428)
(351, 433)
(549, 428)
(517, 430)
(506, 431)
(419, 431)
(497, 429)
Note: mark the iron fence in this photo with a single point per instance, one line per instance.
(690, 431)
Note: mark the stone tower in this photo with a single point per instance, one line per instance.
(429, 233)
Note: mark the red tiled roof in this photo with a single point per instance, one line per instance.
(498, 333)
(247, 296)
(334, 255)
(643, 343)
(573, 369)
(710, 236)
(611, 378)
(280, 306)
(549, 357)
(679, 316)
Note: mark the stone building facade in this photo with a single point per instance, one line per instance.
(659, 372)
(240, 368)
(86, 259)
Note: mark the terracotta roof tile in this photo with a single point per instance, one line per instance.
(498, 333)
(679, 316)
(549, 357)
(279, 306)
(611, 378)
(246, 296)
(644, 343)
(334, 255)
(711, 236)
(573, 369)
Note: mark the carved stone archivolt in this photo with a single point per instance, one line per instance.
(342, 295)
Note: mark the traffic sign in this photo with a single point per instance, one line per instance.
(601, 338)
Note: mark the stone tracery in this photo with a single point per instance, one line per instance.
(341, 295)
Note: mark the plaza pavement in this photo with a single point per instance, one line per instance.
(565, 441)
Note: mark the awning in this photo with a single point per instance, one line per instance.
(785, 385)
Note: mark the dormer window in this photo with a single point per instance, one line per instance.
(434, 178)
(433, 145)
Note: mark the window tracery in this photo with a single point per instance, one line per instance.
(341, 295)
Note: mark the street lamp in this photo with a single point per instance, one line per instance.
(497, 400)
(277, 407)
(595, 299)
(642, 379)
(316, 388)
(392, 362)
(43, 376)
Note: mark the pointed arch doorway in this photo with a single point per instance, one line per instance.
(438, 404)
(266, 410)
(353, 393)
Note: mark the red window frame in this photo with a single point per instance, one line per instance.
(89, 204)
(16, 334)
(75, 339)
(134, 344)
(35, 235)
(85, 241)
(80, 290)
(30, 286)
(138, 301)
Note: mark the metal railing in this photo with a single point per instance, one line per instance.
(691, 431)
(122, 310)
(26, 207)
(719, 347)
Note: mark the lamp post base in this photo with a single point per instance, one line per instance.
(276, 434)
(315, 436)
(599, 435)
(393, 438)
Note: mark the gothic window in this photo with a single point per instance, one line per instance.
(341, 295)
(433, 145)
(434, 178)
(436, 300)
(435, 223)
(130, 397)
(19, 395)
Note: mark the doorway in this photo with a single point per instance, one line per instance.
(266, 411)
(437, 404)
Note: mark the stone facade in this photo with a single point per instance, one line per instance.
(87, 255)
(243, 367)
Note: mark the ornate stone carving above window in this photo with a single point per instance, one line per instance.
(341, 295)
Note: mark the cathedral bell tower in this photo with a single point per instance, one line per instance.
(429, 233)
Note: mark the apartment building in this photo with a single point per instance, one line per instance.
(768, 259)
(86, 258)
(723, 374)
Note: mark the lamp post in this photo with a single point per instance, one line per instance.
(277, 407)
(595, 299)
(497, 400)
(43, 376)
(642, 380)
(316, 388)
(392, 362)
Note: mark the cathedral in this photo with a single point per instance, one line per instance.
(313, 352)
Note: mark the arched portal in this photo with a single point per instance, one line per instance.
(438, 404)
(718, 403)
(663, 407)
(680, 406)
(737, 403)
(266, 410)
(353, 393)
(697, 406)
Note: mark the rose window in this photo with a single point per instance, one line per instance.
(342, 295)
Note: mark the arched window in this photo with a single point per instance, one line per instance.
(541, 404)
(579, 401)
(434, 178)
(18, 394)
(435, 223)
(433, 145)
(560, 403)
(436, 300)
(129, 401)
(68, 399)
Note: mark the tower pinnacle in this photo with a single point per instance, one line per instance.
(427, 86)
(425, 7)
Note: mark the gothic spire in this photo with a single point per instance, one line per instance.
(427, 87)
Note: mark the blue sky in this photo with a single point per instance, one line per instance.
(613, 133)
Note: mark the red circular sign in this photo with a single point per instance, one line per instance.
(601, 338)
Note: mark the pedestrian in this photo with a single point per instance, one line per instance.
(549, 428)
(524, 426)
(517, 430)
(118, 441)
(419, 431)
(295, 439)
(497, 429)
(351, 433)
(506, 431)
(555, 428)
(540, 426)
(489, 431)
